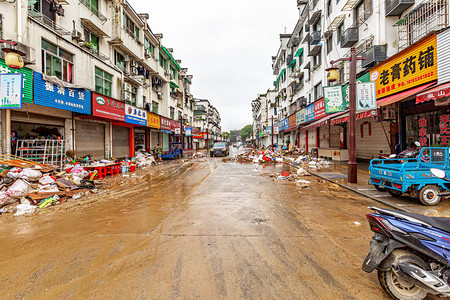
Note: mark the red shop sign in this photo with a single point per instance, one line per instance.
(319, 109)
(174, 124)
(108, 108)
(165, 123)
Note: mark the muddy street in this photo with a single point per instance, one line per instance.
(201, 228)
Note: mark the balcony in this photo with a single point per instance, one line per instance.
(47, 22)
(315, 37)
(397, 7)
(349, 37)
(200, 109)
(373, 56)
(94, 10)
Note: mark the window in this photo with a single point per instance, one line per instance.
(103, 82)
(317, 59)
(173, 72)
(162, 61)
(119, 61)
(57, 62)
(172, 113)
(179, 115)
(92, 5)
(340, 31)
(91, 40)
(133, 95)
(300, 35)
(330, 43)
(1, 26)
(317, 25)
(130, 27)
(300, 59)
(363, 11)
(149, 46)
(318, 91)
(329, 7)
(155, 106)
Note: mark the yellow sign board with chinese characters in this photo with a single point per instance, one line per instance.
(412, 67)
(153, 120)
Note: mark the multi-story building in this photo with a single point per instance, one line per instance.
(384, 33)
(96, 77)
(207, 119)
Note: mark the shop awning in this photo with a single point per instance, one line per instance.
(321, 122)
(170, 56)
(299, 52)
(174, 85)
(315, 16)
(403, 95)
(350, 4)
(441, 91)
(292, 62)
(336, 22)
(94, 28)
(345, 118)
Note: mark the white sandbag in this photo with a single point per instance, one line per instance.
(19, 189)
(24, 209)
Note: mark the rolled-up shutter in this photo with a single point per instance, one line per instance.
(335, 137)
(121, 142)
(90, 139)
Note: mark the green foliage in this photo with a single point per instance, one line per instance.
(246, 132)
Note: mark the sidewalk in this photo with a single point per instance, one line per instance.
(337, 173)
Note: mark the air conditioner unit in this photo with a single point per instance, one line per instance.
(388, 112)
(160, 95)
(147, 53)
(126, 87)
(126, 96)
(76, 34)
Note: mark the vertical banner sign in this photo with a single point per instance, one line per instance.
(423, 132)
(333, 99)
(268, 130)
(309, 113)
(407, 69)
(444, 124)
(366, 96)
(276, 130)
(187, 131)
(11, 90)
(301, 117)
(319, 109)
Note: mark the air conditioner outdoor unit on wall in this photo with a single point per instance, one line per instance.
(160, 95)
(76, 34)
(126, 96)
(126, 87)
(388, 112)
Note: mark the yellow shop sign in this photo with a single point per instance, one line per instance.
(153, 120)
(413, 67)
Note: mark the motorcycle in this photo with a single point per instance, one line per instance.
(411, 252)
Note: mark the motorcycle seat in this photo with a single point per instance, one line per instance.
(441, 223)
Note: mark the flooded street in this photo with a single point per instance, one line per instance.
(201, 228)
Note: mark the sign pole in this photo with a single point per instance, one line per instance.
(352, 164)
(272, 132)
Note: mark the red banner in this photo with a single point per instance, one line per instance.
(174, 124)
(108, 108)
(359, 116)
(165, 123)
(319, 109)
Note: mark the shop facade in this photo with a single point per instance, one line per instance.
(154, 134)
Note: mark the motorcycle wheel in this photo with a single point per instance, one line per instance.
(380, 188)
(428, 195)
(394, 193)
(398, 287)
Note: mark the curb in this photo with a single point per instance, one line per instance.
(355, 190)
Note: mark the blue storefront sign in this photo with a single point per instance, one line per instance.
(52, 95)
(134, 115)
(309, 113)
(283, 125)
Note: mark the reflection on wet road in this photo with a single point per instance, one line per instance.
(194, 229)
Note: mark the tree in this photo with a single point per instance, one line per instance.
(246, 132)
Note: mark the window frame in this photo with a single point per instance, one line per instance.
(64, 62)
(155, 107)
(104, 79)
(318, 91)
(329, 43)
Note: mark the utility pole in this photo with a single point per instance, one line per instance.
(352, 176)
(181, 135)
(272, 132)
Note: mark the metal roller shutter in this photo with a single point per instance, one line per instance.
(121, 141)
(19, 116)
(311, 139)
(335, 137)
(90, 139)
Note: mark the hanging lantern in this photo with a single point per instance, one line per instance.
(13, 58)
(332, 74)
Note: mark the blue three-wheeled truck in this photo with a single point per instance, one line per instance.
(412, 175)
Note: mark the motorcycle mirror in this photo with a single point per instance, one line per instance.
(392, 155)
(417, 144)
(438, 173)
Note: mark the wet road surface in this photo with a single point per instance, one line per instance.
(198, 229)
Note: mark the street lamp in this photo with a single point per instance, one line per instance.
(352, 164)
(13, 58)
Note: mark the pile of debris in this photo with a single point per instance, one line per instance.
(26, 186)
(292, 176)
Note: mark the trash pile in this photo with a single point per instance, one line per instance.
(293, 177)
(27, 186)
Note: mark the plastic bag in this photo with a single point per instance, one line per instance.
(19, 189)
(24, 209)
(47, 180)
(27, 174)
(5, 199)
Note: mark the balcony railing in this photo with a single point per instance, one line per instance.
(94, 10)
(425, 18)
(47, 22)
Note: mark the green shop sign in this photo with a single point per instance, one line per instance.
(27, 78)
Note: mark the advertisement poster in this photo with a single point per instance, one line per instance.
(11, 90)
(309, 113)
(333, 99)
(366, 98)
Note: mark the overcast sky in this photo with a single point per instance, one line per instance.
(226, 45)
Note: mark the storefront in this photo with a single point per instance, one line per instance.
(166, 130)
(55, 121)
(138, 119)
(188, 144)
(154, 135)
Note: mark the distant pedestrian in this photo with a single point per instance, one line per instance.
(158, 151)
